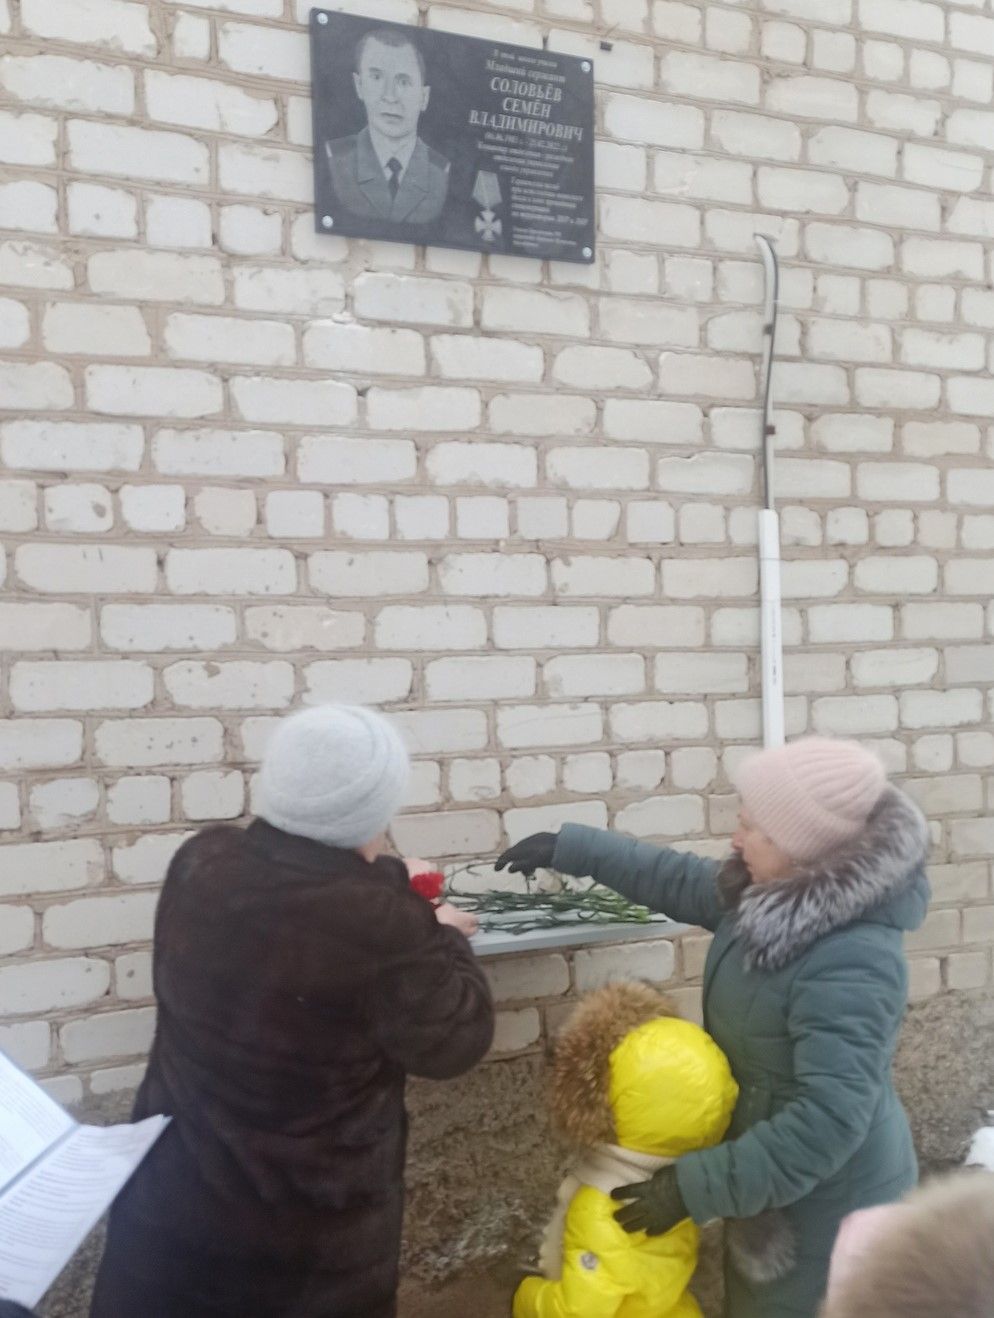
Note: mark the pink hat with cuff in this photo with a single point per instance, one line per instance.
(811, 795)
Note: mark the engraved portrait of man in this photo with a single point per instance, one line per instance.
(387, 171)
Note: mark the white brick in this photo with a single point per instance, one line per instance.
(685, 277)
(541, 518)
(634, 119)
(40, 743)
(362, 349)
(358, 681)
(646, 961)
(402, 298)
(27, 1044)
(479, 678)
(965, 352)
(587, 774)
(154, 627)
(249, 231)
(275, 401)
(305, 292)
(895, 667)
(592, 675)
(823, 11)
(68, 84)
(949, 170)
(704, 674)
(973, 81)
(44, 626)
(813, 98)
(325, 459)
(178, 222)
(95, 331)
(303, 627)
(545, 627)
(218, 107)
(941, 709)
(157, 276)
(76, 684)
(894, 575)
(18, 506)
(153, 742)
(658, 720)
(124, 152)
(10, 807)
(662, 816)
(784, 42)
(265, 171)
(456, 833)
(971, 396)
(652, 522)
(264, 51)
(426, 409)
(93, 922)
(213, 794)
(246, 453)
(231, 572)
(531, 776)
(492, 574)
(515, 1030)
(111, 1034)
(63, 801)
(234, 685)
(941, 621)
(897, 207)
(522, 978)
(503, 466)
(480, 518)
(15, 323)
(913, 19)
(44, 986)
(115, 24)
(755, 136)
(225, 512)
(474, 780)
(803, 191)
(192, 37)
(139, 800)
(707, 376)
(709, 578)
(598, 468)
(854, 715)
(224, 339)
(526, 726)
(29, 265)
(34, 386)
(368, 573)
(845, 341)
(100, 212)
(87, 569)
(587, 576)
(152, 391)
(679, 174)
(916, 390)
(295, 514)
(31, 867)
(691, 74)
(934, 259)
(529, 414)
(601, 368)
(27, 139)
(596, 519)
(845, 245)
(716, 474)
(969, 127)
(898, 482)
(633, 219)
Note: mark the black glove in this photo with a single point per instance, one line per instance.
(531, 854)
(656, 1206)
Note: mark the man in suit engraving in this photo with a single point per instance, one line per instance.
(386, 171)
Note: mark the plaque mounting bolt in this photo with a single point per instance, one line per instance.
(587, 253)
(327, 222)
(585, 66)
(323, 19)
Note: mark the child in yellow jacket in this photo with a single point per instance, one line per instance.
(635, 1087)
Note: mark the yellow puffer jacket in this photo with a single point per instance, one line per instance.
(671, 1092)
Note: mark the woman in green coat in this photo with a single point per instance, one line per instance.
(805, 988)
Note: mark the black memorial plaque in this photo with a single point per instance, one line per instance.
(427, 137)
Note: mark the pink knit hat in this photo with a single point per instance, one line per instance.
(811, 795)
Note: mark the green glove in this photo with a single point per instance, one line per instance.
(655, 1206)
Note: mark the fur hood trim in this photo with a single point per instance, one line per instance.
(581, 1066)
(778, 921)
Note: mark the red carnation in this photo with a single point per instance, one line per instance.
(428, 885)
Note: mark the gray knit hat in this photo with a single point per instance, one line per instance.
(335, 773)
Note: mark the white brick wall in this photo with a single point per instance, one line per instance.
(244, 466)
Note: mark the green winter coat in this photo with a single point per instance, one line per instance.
(805, 988)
